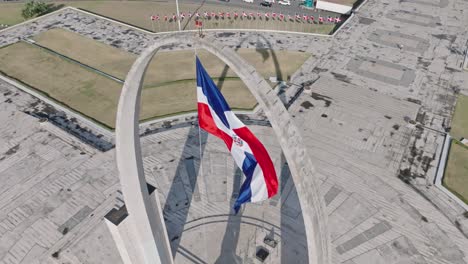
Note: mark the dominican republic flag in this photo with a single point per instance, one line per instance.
(215, 117)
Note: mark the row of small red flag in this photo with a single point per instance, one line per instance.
(235, 15)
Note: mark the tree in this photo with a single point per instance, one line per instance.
(34, 8)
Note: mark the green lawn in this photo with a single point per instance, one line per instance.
(456, 173)
(82, 90)
(181, 97)
(460, 118)
(137, 13)
(167, 66)
(97, 96)
(10, 13)
(96, 54)
(169, 86)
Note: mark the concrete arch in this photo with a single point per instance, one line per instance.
(147, 218)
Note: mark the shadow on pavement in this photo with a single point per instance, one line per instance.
(178, 202)
(293, 236)
(231, 237)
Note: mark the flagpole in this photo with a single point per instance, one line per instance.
(178, 15)
(201, 170)
(201, 175)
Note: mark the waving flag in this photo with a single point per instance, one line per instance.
(215, 117)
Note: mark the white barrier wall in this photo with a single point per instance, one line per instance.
(337, 8)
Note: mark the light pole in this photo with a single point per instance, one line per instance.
(178, 16)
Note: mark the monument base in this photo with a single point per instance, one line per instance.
(120, 225)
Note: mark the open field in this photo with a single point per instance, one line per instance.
(169, 84)
(97, 96)
(167, 66)
(113, 61)
(137, 13)
(10, 13)
(160, 100)
(460, 118)
(456, 173)
(91, 94)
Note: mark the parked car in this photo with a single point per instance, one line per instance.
(265, 3)
(248, 1)
(285, 2)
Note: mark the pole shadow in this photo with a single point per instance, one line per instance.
(193, 17)
(293, 235)
(176, 209)
(261, 48)
(177, 205)
(231, 237)
(180, 195)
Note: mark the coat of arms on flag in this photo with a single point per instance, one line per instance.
(215, 117)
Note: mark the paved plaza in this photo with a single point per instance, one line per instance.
(372, 103)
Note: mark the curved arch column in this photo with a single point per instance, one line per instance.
(149, 225)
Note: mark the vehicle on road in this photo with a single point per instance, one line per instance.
(285, 2)
(248, 1)
(265, 3)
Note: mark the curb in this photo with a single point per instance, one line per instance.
(465, 61)
(95, 126)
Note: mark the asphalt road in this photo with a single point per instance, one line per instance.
(291, 10)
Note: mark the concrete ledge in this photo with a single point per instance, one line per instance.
(465, 61)
(70, 112)
(333, 7)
